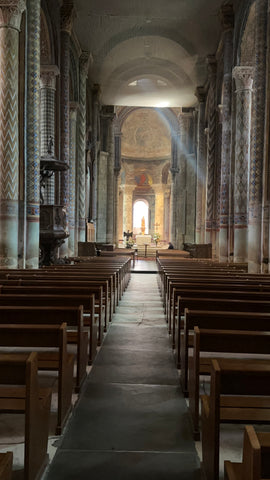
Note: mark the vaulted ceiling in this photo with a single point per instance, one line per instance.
(148, 53)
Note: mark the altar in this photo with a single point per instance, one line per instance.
(143, 239)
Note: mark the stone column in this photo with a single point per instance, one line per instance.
(187, 184)
(32, 137)
(211, 148)
(67, 14)
(117, 168)
(48, 76)
(102, 195)
(110, 179)
(174, 188)
(127, 208)
(227, 18)
(73, 232)
(10, 20)
(257, 145)
(81, 210)
(166, 213)
(243, 77)
(159, 209)
(201, 166)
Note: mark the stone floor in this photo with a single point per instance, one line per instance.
(131, 420)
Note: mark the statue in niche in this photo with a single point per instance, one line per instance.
(143, 225)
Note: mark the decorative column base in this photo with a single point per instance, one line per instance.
(9, 234)
(240, 245)
(254, 248)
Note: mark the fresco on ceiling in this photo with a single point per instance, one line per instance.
(145, 134)
(143, 180)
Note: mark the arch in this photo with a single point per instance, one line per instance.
(140, 212)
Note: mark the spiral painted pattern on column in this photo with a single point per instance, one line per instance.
(9, 138)
(33, 105)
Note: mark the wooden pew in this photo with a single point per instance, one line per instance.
(239, 393)
(215, 320)
(227, 305)
(255, 460)
(56, 297)
(31, 337)
(72, 316)
(218, 342)
(20, 393)
(66, 281)
(6, 465)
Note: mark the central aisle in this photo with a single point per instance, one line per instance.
(131, 421)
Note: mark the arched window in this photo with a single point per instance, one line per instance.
(140, 212)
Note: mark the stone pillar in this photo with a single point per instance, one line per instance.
(243, 77)
(102, 190)
(127, 208)
(10, 20)
(166, 213)
(159, 210)
(67, 14)
(174, 208)
(211, 148)
(32, 137)
(227, 18)
(73, 231)
(257, 145)
(201, 166)
(81, 168)
(187, 184)
(117, 168)
(48, 76)
(110, 180)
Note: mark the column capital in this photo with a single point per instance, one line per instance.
(211, 63)
(227, 17)
(200, 93)
(220, 109)
(73, 109)
(48, 74)
(85, 60)
(68, 14)
(243, 76)
(11, 13)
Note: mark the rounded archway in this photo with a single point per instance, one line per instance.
(140, 217)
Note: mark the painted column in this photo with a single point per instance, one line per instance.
(201, 166)
(32, 134)
(211, 148)
(127, 208)
(102, 195)
(110, 180)
(117, 168)
(10, 20)
(72, 240)
(243, 77)
(67, 14)
(257, 145)
(48, 76)
(227, 18)
(81, 168)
